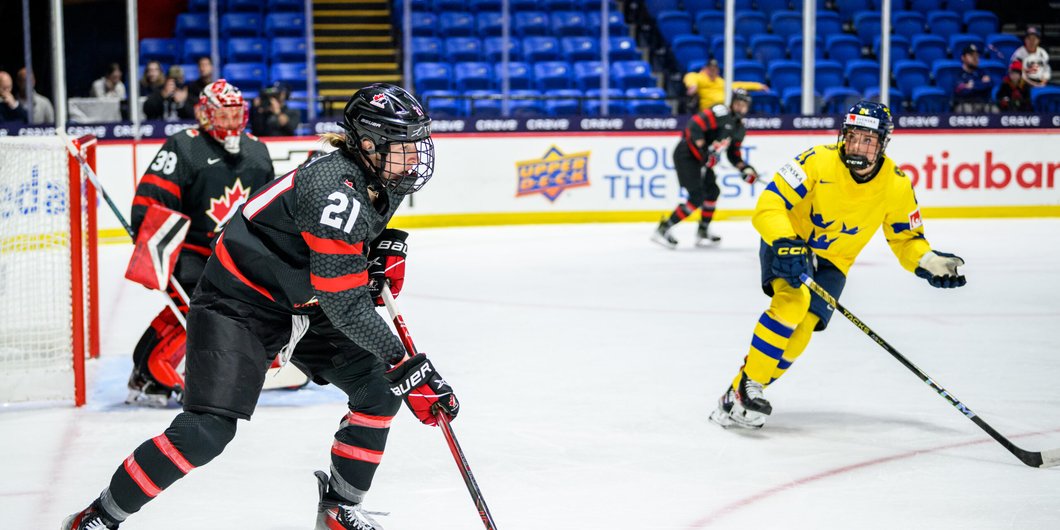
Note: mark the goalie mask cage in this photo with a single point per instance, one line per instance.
(48, 269)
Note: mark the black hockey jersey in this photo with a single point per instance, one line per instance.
(194, 175)
(302, 241)
(720, 129)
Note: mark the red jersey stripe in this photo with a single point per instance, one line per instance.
(713, 121)
(356, 453)
(364, 420)
(205, 251)
(331, 246)
(140, 200)
(230, 266)
(140, 478)
(172, 453)
(342, 283)
(698, 118)
(160, 182)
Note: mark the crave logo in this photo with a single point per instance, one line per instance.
(222, 208)
(552, 173)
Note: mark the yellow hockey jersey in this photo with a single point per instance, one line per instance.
(815, 198)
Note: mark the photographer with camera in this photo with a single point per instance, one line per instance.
(271, 116)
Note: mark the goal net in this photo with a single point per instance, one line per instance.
(48, 317)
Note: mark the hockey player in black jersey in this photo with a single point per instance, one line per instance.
(707, 134)
(205, 173)
(298, 270)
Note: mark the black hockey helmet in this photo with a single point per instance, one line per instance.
(740, 94)
(387, 115)
(867, 116)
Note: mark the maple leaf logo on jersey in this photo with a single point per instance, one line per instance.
(379, 100)
(224, 207)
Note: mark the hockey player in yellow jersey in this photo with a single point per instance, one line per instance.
(821, 209)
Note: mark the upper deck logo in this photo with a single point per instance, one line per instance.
(553, 173)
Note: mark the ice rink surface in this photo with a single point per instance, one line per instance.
(587, 360)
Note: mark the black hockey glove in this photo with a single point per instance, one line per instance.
(749, 174)
(386, 262)
(791, 258)
(940, 269)
(424, 390)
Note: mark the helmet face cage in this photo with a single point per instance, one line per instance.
(219, 95)
(400, 131)
(741, 94)
(867, 116)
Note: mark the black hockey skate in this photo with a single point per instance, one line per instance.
(745, 406)
(706, 238)
(91, 518)
(663, 237)
(144, 391)
(334, 513)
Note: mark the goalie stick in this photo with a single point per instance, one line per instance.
(1031, 458)
(443, 421)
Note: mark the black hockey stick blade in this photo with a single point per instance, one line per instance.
(1031, 458)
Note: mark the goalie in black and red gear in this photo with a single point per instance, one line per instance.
(205, 173)
(291, 273)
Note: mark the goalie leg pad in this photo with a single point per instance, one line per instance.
(155, 360)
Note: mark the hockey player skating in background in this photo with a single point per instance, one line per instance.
(206, 174)
(707, 134)
(821, 209)
(299, 269)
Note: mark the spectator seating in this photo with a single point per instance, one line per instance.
(1046, 99)
(671, 24)
(246, 49)
(687, 48)
(530, 23)
(795, 47)
(456, 24)
(472, 75)
(765, 102)
(843, 48)
(786, 23)
(930, 99)
(828, 74)
(246, 76)
(284, 49)
(518, 74)
(982, 23)
(862, 74)
(838, 99)
(958, 41)
(867, 26)
(432, 76)
(631, 74)
(541, 49)
(164, 50)
(908, 23)
(614, 106)
(997, 70)
(459, 49)
(284, 25)
(549, 75)
(194, 48)
(241, 24)
(493, 47)
(909, 74)
(1005, 45)
(588, 74)
(427, 49)
(943, 23)
(563, 102)
(580, 48)
(294, 75)
(623, 49)
(929, 48)
(896, 97)
(193, 25)
(946, 73)
(750, 23)
(784, 74)
(651, 101)
(766, 48)
(745, 70)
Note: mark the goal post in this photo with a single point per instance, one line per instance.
(49, 321)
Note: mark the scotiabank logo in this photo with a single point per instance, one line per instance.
(987, 173)
(34, 196)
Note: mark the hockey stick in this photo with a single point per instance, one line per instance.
(1031, 458)
(443, 420)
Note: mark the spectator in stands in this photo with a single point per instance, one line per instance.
(973, 89)
(170, 103)
(42, 111)
(205, 77)
(1035, 59)
(109, 86)
(153, 78)
(271, 116)
(707, 88)
(177, 73)
(1014, 93)
(11, 110)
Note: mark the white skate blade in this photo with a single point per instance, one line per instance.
(140, 399)
(721, 418)
(660, 240)
(746, 419)
(707, 243)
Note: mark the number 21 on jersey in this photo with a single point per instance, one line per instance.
(334, 214)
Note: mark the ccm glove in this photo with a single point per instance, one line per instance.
(749, 174)
(791, 258)
(386, 262)
(940, 269)
(424, 390)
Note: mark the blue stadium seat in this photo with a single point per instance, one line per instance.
(710, 23)
(1005, 45)
(862, 74)
(848, 8)
(459, 49)
(623, 49)
(997, 70)
(673, 23)
(472, 75)
(930, 99)
(1046, 99)
(838, 99)
(750, 23)
(442, 103)
(480, 6)
(569, 24)
(946, 73)
(425, 24)
(717, 48)
(554, 6)
(493, 47)
(199, 47)
(744, 70)
(658, 6)
(784, 74)
(960, 6)
(842, 48)
(444, 6)
(203, 6)
(867, 26)
(244, 6)
(650, 101)
(523, 5)
(786, 23)
(588, 74)
(791, 100)
(247, 50)
(580, 48)
(191, 72)
(943, 23)
(928, 48)
(427, 49)
(910, 74)
(294, 75)
(896, 97)
(899, 48)
(541, 49)
(982, 23)
(695, 7)
(284, 25)
(526, 103)
(615, 105)
(594, 5)
(241, 24)
(908, 23)
(483, 103)
(828, 23)
(770, 7)
(529, 23)
(827, 74)
(795, 47)
(432, 76)
(631, 74)
(193, 25)
(246, 76)
(456, 24)
(518, 74)
(689, 48)
(164, 50)
(277, 6)
(616, 25)
(958, 41)
(765, 103)
(924, 6)
(766, 48)
(549, 75)
(563, 102)
(288, 49)
(489, 24)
